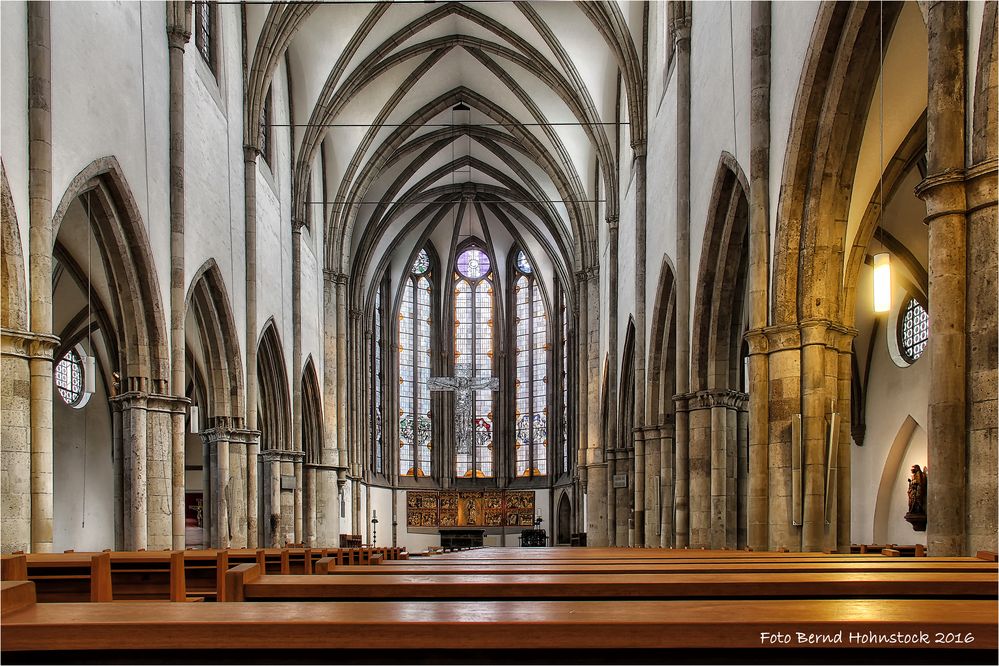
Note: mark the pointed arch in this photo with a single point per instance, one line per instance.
(984, 126)
(662, 356)
(626, 415)
(838, 81)
(125, 250)
(274, 411)
(721, 282)
(14, 307)
(563, 520)
(208, 302)
(312, 415)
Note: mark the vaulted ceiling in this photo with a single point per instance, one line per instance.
(379, 96)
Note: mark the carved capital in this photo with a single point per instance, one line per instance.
(26, 344)
(717, 398)
(943, 193)
(250, 153)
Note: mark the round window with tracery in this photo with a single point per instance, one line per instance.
(913, 330)
(473, 263)
(69, 378)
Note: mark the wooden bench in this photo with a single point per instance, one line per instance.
(62, 577)
(135, 630)
(246, 583)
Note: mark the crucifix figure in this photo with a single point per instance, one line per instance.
(464, 384)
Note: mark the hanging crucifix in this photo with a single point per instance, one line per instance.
(464, 384)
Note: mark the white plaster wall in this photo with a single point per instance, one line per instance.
(83, 482)
(790, 34)
(110, 97)
(899, 530)
(274, 263)
(214, 211)
(13, 102)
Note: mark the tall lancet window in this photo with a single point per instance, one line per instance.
(473, 350)
(531, 325)
(415, 419)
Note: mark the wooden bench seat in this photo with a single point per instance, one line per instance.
(245, 583)
(535, 624)
(676, 566)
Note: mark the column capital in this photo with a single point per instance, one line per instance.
(26, 344)
(714, 398)
(943, 193)
(178, 24)
(356, 314)
(334, 276)
(980, 184)
(612, 221)
(250, 153)
(638, 149)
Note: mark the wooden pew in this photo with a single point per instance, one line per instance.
(616, 628)
(64, 577)
(245, 583)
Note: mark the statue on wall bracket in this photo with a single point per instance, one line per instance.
(917, 499)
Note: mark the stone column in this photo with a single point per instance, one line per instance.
(20, 349)
(719, 473)
(612, 380)
(135, 449)
(596, 464)
(240, 441)
(681, 456)
(309, 505)
(163, 415)
(216, 440)
(944, 193)
(330, 395)
(666, 462)
(814, 407)
(341, 370)
(178, 34)
(843, 458)
(40, 268)
(638, 470)
(639, 151)
(581, 395)
(983, 338)
(699, 465)
(681, 29)
(784, 395)
(296, 379)
(759, 275)
(250, 153)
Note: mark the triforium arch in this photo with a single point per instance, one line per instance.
(717, 407)
(279, 498)
(99, 202)
(212, 345)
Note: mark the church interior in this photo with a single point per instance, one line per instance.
(523, 289)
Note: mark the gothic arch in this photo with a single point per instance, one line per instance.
(125, 250)
(14, 307)
(312, 415)
(838, 81)
(208, 302)
(984, 129)
(274, 412)
(662, 351)
(721, 282)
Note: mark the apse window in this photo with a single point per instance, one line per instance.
(913, 330)
(69, 378)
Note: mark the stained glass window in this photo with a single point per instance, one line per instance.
(69, 378)
(204, 32)
(914, 330)
(377, 382)
(415, 418)
(531, 326)
(473, 344)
